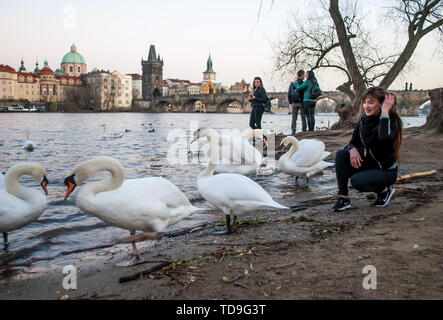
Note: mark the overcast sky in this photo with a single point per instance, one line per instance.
(115, 35)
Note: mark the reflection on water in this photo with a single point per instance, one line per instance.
(65, 140)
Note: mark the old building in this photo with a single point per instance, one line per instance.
(8, 82)
(194, 88)
(108, 91)
(241, 86)
(73, 64)
(136, 86)
(152, 76)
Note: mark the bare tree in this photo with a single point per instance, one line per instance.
(347, 45)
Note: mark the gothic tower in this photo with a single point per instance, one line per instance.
(152, 75)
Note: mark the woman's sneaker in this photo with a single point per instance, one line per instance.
(383, 198)
(342, 204)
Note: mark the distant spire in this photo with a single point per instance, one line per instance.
(36, 70)
(152, 56)
(73, 48)
(209, 65)
(22, 65)
(46, 65)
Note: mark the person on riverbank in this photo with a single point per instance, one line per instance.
(371, 158)
(258, 99)
(295, 98)
(309, 98)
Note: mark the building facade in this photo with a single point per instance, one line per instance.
(152, 75)
(136, 86)
(8, 82)
(108, 91)
(38, 86)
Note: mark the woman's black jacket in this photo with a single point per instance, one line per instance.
(374, 139)
(260, 97)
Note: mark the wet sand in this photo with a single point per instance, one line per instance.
(309, 252)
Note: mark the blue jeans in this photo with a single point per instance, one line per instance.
(309, 112)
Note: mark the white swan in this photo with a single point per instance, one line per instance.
(234, 194)
(112, 135)
(305, 158)
(29, 145)
(2, 181)
(146, 204)
(19, 205)
(237, 155)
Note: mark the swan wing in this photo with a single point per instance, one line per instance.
(16, 213)
(234, 190)
(309, 153)
(148, 204)
(238, 150)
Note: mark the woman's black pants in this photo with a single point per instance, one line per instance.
(256, 115)
(309, 112)
(363, 179)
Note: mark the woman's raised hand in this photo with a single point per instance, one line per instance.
(356, 159)
(387, 105)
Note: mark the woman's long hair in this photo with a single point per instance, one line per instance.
(312, 77)
(379, 94)
(253, 84)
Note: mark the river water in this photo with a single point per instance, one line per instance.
(65, 140)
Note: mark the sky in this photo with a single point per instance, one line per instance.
(116, 35)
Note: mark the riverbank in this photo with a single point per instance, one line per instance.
(309, 252)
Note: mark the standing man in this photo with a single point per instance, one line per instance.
(295, 98)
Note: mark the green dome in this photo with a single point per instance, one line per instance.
(73, 56)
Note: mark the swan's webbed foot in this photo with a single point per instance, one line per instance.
(229, 227)
(132, 262)
(5, 239)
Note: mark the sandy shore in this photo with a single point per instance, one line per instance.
(307, 253)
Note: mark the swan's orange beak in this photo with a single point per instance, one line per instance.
(44, 183)
(70, 183)
(265, 141)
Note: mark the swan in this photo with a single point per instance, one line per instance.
(237, 154)
(112, 135)
(146, 204)
(2, 181)
(19, 205)
(234, 194)
(305, 158)
(29, 145)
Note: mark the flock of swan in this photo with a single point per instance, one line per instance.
(152, 204)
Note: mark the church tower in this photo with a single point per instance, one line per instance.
(152, 75)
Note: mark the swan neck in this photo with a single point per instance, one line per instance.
(214, 151)
(110, 183)
(12, 177)
(294, 146)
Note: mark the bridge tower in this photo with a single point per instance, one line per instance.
(152, 75)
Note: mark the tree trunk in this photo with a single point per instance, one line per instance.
(434, 121)
(347, 115)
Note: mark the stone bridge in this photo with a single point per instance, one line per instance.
(220, 102)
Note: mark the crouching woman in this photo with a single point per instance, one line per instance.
(371, 158)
